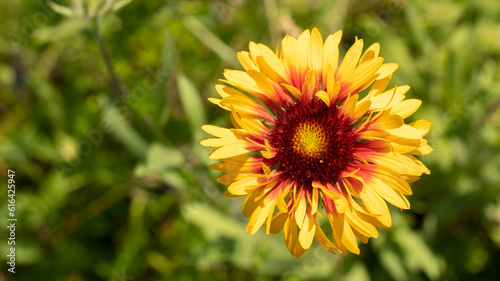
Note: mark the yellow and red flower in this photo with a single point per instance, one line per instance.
(304, 145)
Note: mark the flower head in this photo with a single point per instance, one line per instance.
(305, 145)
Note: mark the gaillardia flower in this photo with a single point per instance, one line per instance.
(305, 145)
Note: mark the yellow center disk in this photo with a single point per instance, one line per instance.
(309, 139)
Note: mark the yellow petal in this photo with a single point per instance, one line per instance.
(217, 102)
(376, 205)
(247, 168)
(400, 163)
(269, 152)
(260, 215)
(325, 190)
(246, 61)
(271, 65)
(370, 53)
(349, 105)
(422, 125)
(264, 84)
(423, 150)
(269, 219)
(254, 51)
(387, 122)
(341, 205)
(300, 211)
(367, 56)
(389, 194)
(294, 91)
(361, 108)
(281, 202)
(278, 222)
(221, 141)
(310, 86)
(325, 242)
(246, 105)
(315, 53)
(391, 178)
(360, 236)
(333, 88)
(298, 250)
(406, 107)
(358, 223)
(243, 159)
(234, 149)
(389, 98)
(405, 131)
(217, 131)
(307, 231)
(245, 186)
(241, 80)
(350, 60)
(362, 76)
(221, 90)
(386, 69)
(251, 125)
(349, 239)
(331, 55)
(303, 49)
(324, 97)
(314, 201)
(288, 51)
(404, 145)
(249, 204)
(291, 236)
(379, 86)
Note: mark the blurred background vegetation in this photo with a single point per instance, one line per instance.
(101, 104)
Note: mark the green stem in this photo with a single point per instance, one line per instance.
(117, 87)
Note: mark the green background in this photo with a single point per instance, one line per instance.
(100, 112)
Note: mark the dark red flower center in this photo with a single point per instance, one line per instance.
(313, 142)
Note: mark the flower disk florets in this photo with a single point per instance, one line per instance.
(313, 142)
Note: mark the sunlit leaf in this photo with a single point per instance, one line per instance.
(358, 272)
(60, 9)
(417, 252)
(115, 122)
(211, 41)
(162, 105)
(192, 103)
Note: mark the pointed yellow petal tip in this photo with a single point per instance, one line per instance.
(324, 97)
(266, 169)
(204, 127)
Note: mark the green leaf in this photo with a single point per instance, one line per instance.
(77, 7)
(159, 262)
(418, 254)
(358, 272)
(162, 106)
(393, 264)
(65, 30)
(116, 124)
(213, 223)
(192, 104)
(63, 10)
(211, 40)
(161, 161)
(160, 158)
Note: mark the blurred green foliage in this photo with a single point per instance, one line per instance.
(101, 104)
